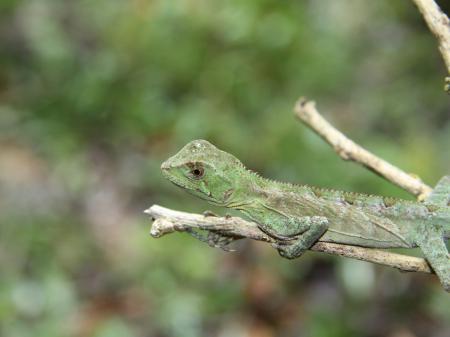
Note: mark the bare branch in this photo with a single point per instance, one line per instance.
(439, 25)
(348, 150)
(168, 221)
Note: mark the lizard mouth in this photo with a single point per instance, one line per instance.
(180, 183)
(190, 189)
(172, 178)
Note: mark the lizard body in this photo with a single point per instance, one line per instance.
(298, 215)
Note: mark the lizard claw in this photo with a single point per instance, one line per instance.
(288, 250)
(209, 213)
(284, 249)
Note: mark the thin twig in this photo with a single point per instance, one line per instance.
(349, 150)
(168, 221)
(439, 25)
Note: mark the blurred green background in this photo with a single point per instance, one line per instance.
(94, 95)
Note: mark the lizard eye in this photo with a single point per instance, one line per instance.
(197, 172)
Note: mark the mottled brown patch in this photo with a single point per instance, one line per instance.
(264, 193)
(389, 202)
(227, 193)
(317, 192)
(349, 198)
(431, 208)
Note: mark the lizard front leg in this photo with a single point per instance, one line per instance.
(431, 242)
(311, 228)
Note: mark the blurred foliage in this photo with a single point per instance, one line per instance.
(95, 95)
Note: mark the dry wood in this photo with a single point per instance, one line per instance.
(348, 150)
(439, 25)
(168, 221)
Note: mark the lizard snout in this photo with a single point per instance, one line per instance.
(165, 166)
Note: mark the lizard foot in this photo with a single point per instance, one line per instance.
(288, 251)
(295, 248)
(213, 239)
(220, 241)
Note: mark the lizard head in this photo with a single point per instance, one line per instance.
(203, 170)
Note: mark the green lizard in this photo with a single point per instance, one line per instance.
(298, 215)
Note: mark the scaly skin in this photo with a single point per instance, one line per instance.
(298, 215)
